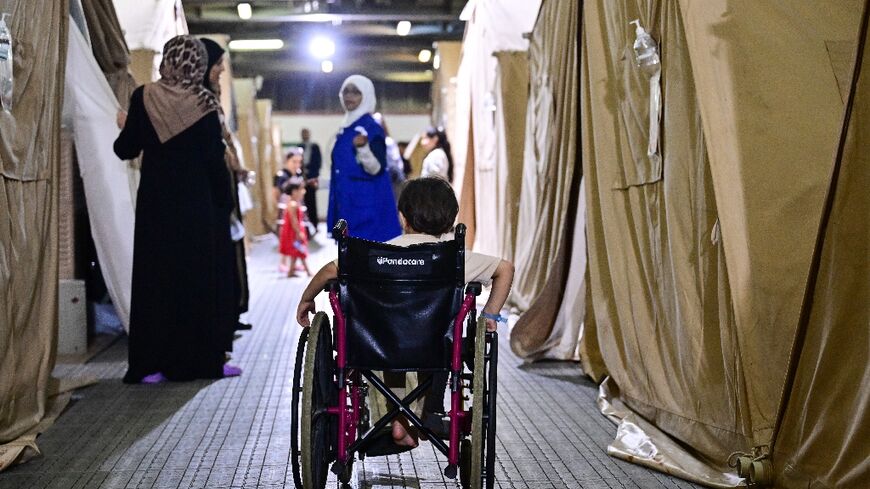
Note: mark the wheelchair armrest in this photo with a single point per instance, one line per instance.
(331, 285)
(473, 288)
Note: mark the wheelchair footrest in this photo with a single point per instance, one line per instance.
(450, 471)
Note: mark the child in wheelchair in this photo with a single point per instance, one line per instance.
(427, 211)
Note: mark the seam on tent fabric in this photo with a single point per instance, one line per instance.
(807, 303)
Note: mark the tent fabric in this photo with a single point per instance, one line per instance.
(148, 25)
(550, 221)
(659, 298)
(550, 156)
(697, 268)
(29, 157)
(248, 135)
(771, 113)
(512, 89)
(494, 27)
(110, 201)
(271, 160)
(823, 436)
(109, 47)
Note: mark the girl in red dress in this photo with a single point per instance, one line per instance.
(294, 237)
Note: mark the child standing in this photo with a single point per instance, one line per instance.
(293, 242)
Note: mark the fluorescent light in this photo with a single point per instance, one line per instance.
(256, 44)
(436, 62)
(321, 47)
(424, 56)
(326, 66)
(245, 11)
(403, 28)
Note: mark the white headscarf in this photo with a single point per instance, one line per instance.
(366, 106)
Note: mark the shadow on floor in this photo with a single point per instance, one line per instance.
(559, 370)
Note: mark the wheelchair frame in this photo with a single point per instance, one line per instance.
(347, 415)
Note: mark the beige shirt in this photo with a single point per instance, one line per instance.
(478, 267)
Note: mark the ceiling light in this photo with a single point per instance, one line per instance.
(256, 44)
(321, 47)
(245, 11)
(436, 62)
(403, 28)
(326, 66)
(424, 56)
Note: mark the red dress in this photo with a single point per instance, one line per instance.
(288, 244)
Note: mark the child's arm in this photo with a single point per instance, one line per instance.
(502, 279)
(318, 282)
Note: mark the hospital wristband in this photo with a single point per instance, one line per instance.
(495, 317)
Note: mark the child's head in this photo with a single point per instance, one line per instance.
(293, 161)
(295, 188)
(428, 205)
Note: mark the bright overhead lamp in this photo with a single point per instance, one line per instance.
(403, 28)
(256, 44)
(244, 10)
(424, 56)
(436, 62)
(326, 66)
(321, 47)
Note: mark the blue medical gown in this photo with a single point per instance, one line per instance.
(365, 201)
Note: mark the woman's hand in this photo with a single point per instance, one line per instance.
(302, 312)
(360, 140)
(121, 119)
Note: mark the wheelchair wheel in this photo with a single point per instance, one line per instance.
(481, 468)
(318, 392)
(294, 408)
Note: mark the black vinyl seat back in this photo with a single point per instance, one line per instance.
(400, 302)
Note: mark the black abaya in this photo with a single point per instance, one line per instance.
(179, 315)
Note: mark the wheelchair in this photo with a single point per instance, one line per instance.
(395, 309)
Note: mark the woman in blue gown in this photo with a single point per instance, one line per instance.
(360, 191)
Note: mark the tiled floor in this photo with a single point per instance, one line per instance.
(234, 433)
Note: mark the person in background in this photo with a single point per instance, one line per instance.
(406, 164)
(311, 161)
(359, 190)
(183, 208)
(293, 243)
(395, 164)
(292, 169)
(238, 175)
(439, 161)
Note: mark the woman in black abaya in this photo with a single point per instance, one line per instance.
(182, 214)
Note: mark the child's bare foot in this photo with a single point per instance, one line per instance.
(402, 435)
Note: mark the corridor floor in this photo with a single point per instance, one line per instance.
(234, 433)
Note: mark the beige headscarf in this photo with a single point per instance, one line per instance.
(178, 99)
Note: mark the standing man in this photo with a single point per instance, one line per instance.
(311, 167)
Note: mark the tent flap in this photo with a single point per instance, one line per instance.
(29, 159)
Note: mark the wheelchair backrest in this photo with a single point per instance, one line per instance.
(400, 302)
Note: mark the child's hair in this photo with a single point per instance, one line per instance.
(292, 184)
(444, 144)
(429, 205)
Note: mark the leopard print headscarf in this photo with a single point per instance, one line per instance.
(179, 99)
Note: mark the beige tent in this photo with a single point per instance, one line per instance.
(721, 334)
(29, 156)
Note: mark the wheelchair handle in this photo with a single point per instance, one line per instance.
(473, 288)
